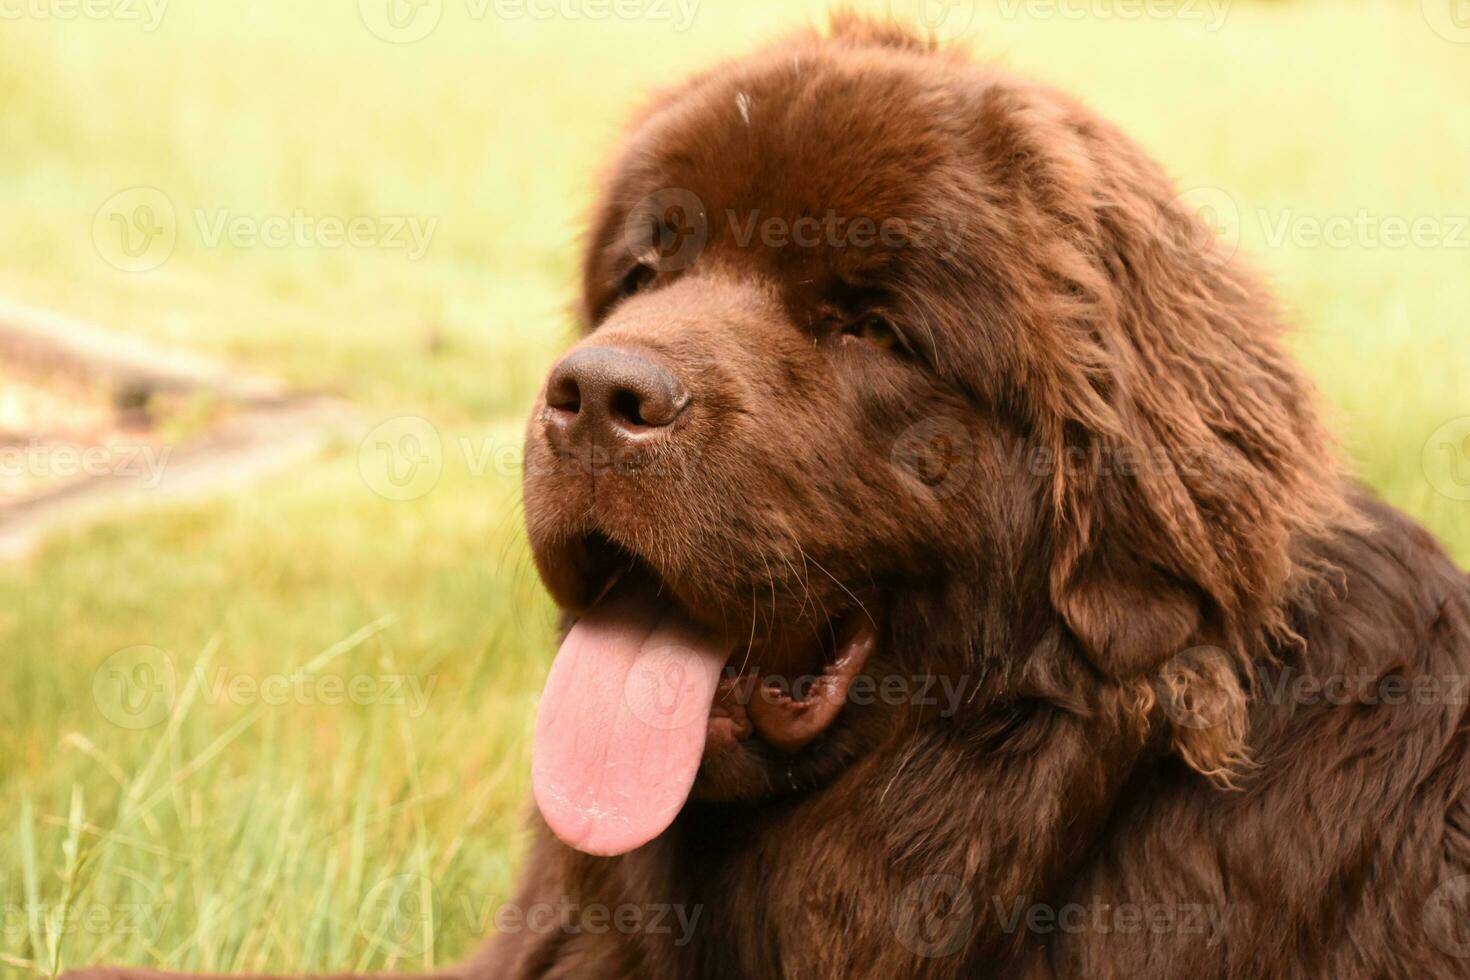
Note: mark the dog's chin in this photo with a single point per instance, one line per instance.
(738, 773)
(749, 771)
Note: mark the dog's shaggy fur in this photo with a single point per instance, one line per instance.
(1211, 716)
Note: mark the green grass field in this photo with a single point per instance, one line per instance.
(253, 817)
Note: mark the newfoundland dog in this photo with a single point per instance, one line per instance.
(959, 580)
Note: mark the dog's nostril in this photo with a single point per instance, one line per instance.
(626, 407)
(563, 394)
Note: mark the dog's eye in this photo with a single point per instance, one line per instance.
(876, 331)
(635, 279)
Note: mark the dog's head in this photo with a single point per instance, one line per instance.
(906, 387)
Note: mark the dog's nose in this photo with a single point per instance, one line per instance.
(603, 395)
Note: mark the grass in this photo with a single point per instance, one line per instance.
(288, 830)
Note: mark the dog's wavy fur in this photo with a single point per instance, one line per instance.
(1137, 745)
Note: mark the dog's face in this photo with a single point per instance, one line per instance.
(777, 417)
(850, 310)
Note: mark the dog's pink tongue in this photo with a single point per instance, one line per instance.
(622, 723)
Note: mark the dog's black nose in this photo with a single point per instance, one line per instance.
(604, 396)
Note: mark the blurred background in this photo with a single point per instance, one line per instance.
(278, 282)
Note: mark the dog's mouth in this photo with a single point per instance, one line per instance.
(642, 689)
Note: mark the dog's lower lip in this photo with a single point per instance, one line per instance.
(790, 722)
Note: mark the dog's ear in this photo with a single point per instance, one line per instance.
(1191, 468)
(1191, 473)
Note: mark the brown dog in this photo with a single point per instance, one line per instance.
(963, 582)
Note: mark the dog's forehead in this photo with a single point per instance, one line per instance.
(837, 182)
(797, 152)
